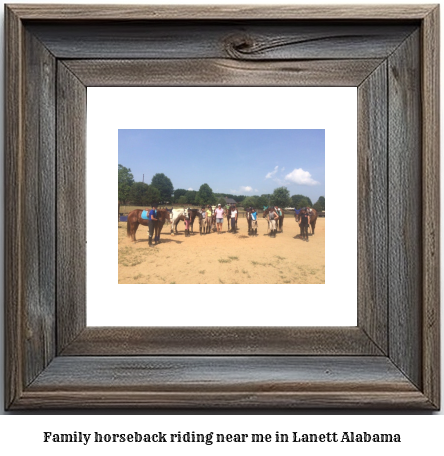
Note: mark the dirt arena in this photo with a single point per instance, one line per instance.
(224, 258)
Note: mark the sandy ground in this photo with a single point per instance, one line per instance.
(224, 258)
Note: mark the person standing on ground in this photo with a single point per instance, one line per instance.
(233, 219)
(253, 215)
(203, 224)
(209, 219)
(152, 217)
(304, 218)
(272, 217)
(186, 220)
(219, 218)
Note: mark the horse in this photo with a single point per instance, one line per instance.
(313, 218)
(280, 220)
(135, 219)
(179, 214)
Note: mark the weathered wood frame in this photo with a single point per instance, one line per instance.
(390, 360)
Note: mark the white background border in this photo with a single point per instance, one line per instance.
(333, 109)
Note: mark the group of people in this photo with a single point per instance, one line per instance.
(207, 220)
(219, 212)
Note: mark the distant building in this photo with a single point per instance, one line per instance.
(230, 200)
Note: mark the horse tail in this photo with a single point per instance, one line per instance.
(128, 225)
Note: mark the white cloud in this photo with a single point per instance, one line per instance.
(246, 189)
(256, 190)
(190, 189)
(282, 169)
(272, 173)
(301, 177)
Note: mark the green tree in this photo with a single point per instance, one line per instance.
(164, 185)
(249, 201)
(126, 180)
(182, 200)
(320, 203)
(266, 198)
(190, 196)
(295, 201)
(280, 197)
(144, 195)
(262, 201)
(221, 200)
(205, 195)
(178, 193)
(303, 202)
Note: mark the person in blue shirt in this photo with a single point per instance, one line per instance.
(152, 217)
(253, 215)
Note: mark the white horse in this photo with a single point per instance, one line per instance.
(175, 217)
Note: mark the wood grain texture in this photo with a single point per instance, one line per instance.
(95, 341)
(38, 193)
(430, 94)
(220, 12)
(405, 209)
(89, 374)
(13, 208)
(71, 206)
(372, 205)
(234, 40)
(221, 72)
(234, 382)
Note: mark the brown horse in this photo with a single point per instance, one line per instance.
(135, 219)
(313, 218)
(280, 220)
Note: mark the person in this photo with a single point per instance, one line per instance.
(272, 217)
(186, 220)
(233, 218)
(203, 225)
(209, 219)
(253, 215)
(152, 217)
(219, 218)
(304, 219)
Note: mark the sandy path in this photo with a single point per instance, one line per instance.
(224, 258)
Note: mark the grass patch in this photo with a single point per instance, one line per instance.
(258, 263)
(279, 257)
(287, 281)
(202, 272)
(138, 276)
(223, 260)
(172, 283)
(221, 281)
(233, 257)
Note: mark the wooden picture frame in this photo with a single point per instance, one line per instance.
(390, 360)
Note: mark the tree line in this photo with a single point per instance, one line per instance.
(161, 191)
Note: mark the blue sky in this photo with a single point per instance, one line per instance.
(242, 162)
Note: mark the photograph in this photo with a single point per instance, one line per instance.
(221, 206)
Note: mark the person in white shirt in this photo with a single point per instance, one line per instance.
(219, 218)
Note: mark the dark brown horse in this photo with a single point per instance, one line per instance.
(280, 220)
(135, 219)
(313, 218)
